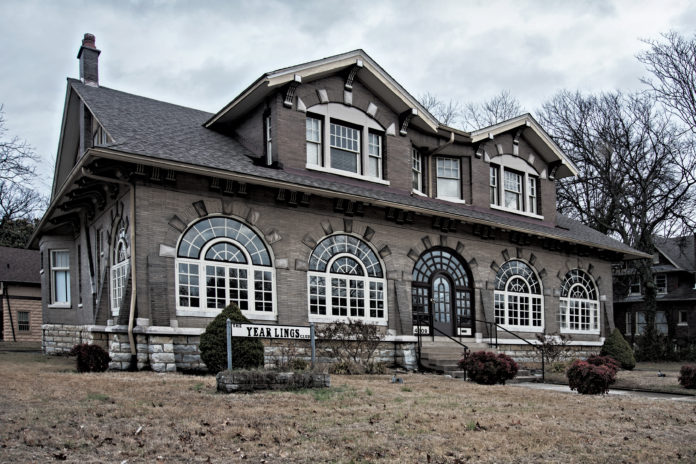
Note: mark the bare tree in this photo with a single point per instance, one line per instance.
(447, 113)
(637, 173)
(672, 63)
(19, 202)
(498, 109)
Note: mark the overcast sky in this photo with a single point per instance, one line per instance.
(202, 54)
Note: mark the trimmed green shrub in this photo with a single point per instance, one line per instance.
(246, 352)
(590, 379)
(487, 368)
(687, 376)
(90, 358)
(618, 348)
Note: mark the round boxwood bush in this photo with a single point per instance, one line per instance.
(488, 368)
(687, 376)
(246, 352)
(618, 348)
(90, 358)
(591, 379)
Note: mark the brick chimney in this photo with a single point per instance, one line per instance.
(89, 61)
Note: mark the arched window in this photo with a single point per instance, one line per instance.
(120, 265)
(579, 306)
(222, 261)
(518, 298)
(441, 294)
(345, 280)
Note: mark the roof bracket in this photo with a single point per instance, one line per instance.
(352, 73)
(290, 92)
(405, 119)
(553, 168)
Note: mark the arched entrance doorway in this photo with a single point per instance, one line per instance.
(442, 294)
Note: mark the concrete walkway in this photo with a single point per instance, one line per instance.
(650, 395)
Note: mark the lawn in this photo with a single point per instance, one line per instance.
(49, 413)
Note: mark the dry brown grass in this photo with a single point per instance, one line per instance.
(48, 412)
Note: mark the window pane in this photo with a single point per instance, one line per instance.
(313, 153)
(373, 166)
(344, 160)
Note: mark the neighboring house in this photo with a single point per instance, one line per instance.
(674, 271)
(20, 295)
(323, 192)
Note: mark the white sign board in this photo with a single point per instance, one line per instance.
(270, 331)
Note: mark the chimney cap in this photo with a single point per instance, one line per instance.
(88, 41)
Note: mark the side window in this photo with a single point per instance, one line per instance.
(313, 136)
(60, 277)
(514, 186)
(416, 170)
(269, 140)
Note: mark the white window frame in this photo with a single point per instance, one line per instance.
(23, 321)
(351, 117)
(374, 144)
(527, 202)
(313, 137)
(659, 317)
(683, 316)
(416, 171)
(634, 281)
(661, 289)
(444, 170)
(494, 184)
(55, 303)
(269, 141)
(202, 310)
(572, 310)
(503, 301)
(119, 277)
(328, 278)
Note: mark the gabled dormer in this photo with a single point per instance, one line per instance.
(523, 163)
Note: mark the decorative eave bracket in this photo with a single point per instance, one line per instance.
(290, 92)
(352, 73)
(405, 119)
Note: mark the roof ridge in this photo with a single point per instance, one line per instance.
(74, 82)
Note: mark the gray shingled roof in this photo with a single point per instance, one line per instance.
(20, 265)
(170, 132)
(680, 250)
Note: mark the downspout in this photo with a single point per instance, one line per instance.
(6, 291)
(131, 315)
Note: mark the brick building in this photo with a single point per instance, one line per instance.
(674, 273)
(20, 295)
(323, 192)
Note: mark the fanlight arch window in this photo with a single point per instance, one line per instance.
(435, 262)
(579, 305)
(518, 299)
(120, 267)
(221, 261)
(346, 280)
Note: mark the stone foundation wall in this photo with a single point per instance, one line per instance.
(180, 352)
(531, 357)
(60, 338)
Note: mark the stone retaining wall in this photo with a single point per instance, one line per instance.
(179, 351)
(248, 381)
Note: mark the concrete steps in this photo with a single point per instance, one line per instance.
(442, 355)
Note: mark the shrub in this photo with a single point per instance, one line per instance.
(90, 358)
(554, 347)
(608, 361)
(590, 379)
(353, 342)
(246, 352)
(345, 367)
(618, 348)
(376, 368)
(687, 376)
(298, 364)
(488, 368)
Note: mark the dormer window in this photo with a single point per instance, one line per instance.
(448, 179)
(355, 145)
(514, 186)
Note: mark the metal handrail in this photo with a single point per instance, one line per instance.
(536, 347)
